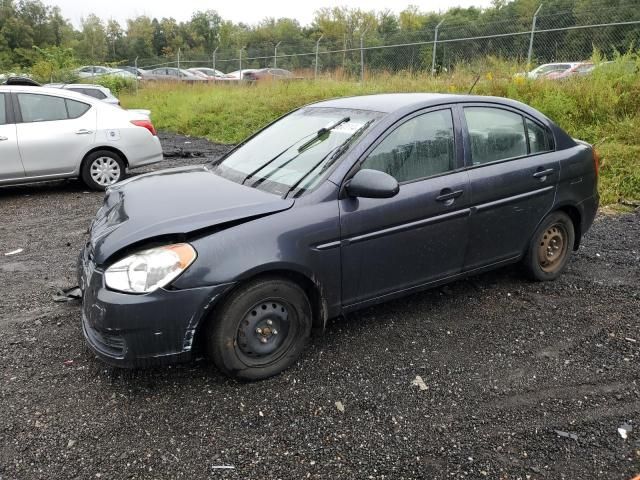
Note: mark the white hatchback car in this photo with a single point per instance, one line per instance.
(49, 133)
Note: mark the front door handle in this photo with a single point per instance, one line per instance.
(4, 139)
(83, 131)
(448, 195)
(543, 174)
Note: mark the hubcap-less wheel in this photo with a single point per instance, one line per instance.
(105, 171)
(265, 332)
(552, 248)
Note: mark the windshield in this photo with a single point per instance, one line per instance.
(292, 155)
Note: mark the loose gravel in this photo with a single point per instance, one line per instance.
(519, 380)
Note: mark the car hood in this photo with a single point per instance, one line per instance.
(174, 202)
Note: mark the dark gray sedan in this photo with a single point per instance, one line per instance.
(336, 206)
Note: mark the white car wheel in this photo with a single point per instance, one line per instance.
(102, 169)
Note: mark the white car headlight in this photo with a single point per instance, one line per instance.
(148, 270)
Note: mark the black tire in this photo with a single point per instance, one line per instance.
(550, 248)
(275, 307)
(114, 169)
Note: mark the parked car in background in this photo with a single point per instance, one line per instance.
(53, 133)
(137, 72)
(342, 204)
(100, 71)
(269, 74)
(96, 91)
(237, 74)
(209, 72)
(547, 68)
(583, 68)
(171, 74)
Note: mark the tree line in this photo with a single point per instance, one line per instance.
(31, 32)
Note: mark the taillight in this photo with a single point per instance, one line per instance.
(596, 161)
(145, 124)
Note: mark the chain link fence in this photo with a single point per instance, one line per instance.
(526, 42)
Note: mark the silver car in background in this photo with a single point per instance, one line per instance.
(96, 91)
(52, 133)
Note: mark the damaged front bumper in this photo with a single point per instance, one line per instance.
(128, 330)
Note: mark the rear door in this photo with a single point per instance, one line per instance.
(10, 163)
(54, 133)
(513, 173)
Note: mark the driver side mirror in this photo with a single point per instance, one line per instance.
(372, 184)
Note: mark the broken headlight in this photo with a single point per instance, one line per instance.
(148, 270)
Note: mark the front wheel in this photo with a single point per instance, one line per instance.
(102, 169)
(260, 330)
(550, 247)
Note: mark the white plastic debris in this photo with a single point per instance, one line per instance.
(223, 467)
(624, 430)
(14, 252)
(340, 406)
(420, 383)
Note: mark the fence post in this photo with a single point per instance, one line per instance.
(275, 56)
(362, 55)
(135, 64)
(178, 58)
(213, 60)
(315, 77)
(240, 73)
(435, 43)
(533, 29)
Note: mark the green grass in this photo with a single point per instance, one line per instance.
(603, 108)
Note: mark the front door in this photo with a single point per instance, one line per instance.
(418, 236)
(10, 163)
(513, 174)
(55, 133)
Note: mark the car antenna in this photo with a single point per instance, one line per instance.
(474, 84)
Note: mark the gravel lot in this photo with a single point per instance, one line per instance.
(506, 363)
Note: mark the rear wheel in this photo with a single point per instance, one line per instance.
(550, 247)
(260, 330)
(101, 169)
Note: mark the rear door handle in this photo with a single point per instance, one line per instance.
(4, 139)
(83, 131)
(543, 174)
(446, 194)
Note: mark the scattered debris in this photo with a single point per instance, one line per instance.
(632, 340)
(68, 362)
(68, 295)
(223, 467)
(14, 252)
(624, 430)
(420, 383)
(572, 436)
(340, 406)
(71, 443)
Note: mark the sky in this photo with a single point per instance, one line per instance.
(246, 11)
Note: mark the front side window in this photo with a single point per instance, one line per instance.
(292, 155)
(421, 147)
(495, 134)
(3, 110)
(41, 108)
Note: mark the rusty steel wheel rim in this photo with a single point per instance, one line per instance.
(552, 247)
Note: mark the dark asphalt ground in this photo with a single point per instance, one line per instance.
(506, 363)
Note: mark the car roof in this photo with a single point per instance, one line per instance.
(391, 102)
(56, 92)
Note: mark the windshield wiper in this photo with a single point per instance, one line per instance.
(333, 155)
(319, 133)
(323, 131)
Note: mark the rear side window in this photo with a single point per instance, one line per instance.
(93, 92)
(3, 110)
(76, 109)
(41, 108)
(539, 140)
(421, 147)
(46, 108)
(495, 134)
